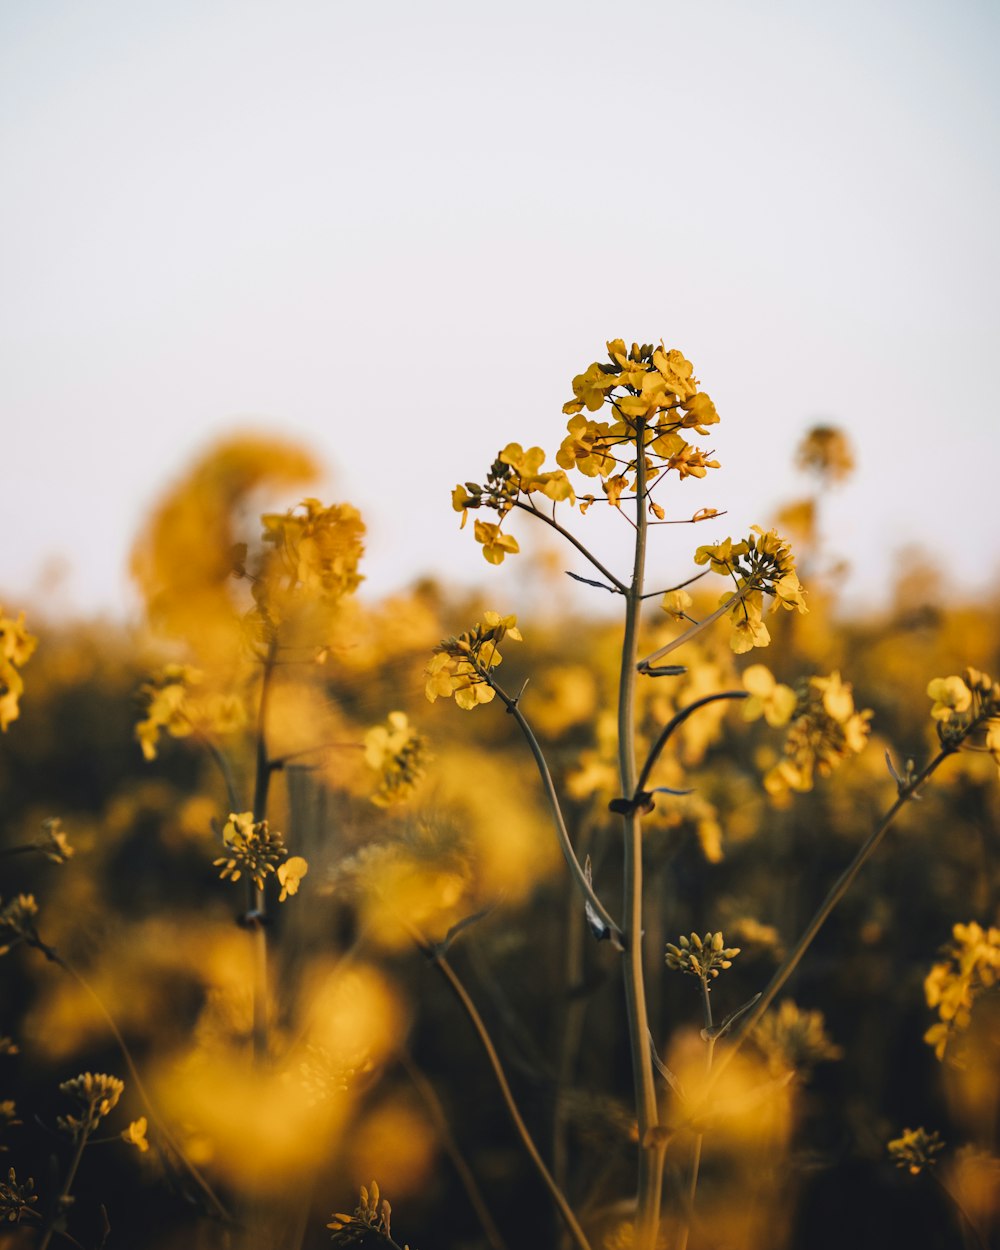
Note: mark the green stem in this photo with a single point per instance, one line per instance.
(437, 1113)
(651, 1153)
(469, 1007)
(64, 1193)
(255, 895)
(685, 1228)
(569, 854)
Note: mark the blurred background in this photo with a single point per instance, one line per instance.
(351, 251)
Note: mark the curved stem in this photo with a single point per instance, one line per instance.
(573, 541)
(675, 723)
(436, 1111)
(469, 1007)
(579, 875)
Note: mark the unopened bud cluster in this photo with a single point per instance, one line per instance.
(95, 1095)
(702, 957)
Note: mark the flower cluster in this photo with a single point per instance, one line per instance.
(460, 667)
(17, 1198)
(253, 849)
(17, 922)
(762, 563)
(175, 706)
(54, 843)
(793, 1039)
(95, 1095)
(372, 1213)
(971, 966)
(824, 730)
(317, 550)
(398, 753)
(915, 1149)
(826, 452)
(16, 648)
(701, 957)
(652, 394)
(964, 704)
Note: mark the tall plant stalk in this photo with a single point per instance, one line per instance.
(651, 1154)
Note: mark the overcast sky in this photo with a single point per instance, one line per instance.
(397, 230)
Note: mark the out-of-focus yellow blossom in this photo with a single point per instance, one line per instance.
(185, 560)
(824, 731)
(826, 452)
(17, 921)
(317, 550)
(398, 753)
(971, 965)
(54, 843)
(290, 875)
(253, 849)
(768, 698)
(459, 665)
(794, 1040)
(676, 604)
(177, 706)
(16, 648)
(135, 1135)
(915, 1149)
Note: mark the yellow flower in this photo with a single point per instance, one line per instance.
(16, 649)
(676, 603)
(950, 695)
(838, 701)
(496, 544)
(525, 463)
(720, 556)
(135, 1135)
(290, 875)
(768, 698)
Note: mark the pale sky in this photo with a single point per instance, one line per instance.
(396, 231)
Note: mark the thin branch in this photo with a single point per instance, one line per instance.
(675, 723)
(579, 875)
(572, 540)
(437, 1113)
(688, 634)
(822, 914)
(469, 1007)
(216, 752)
